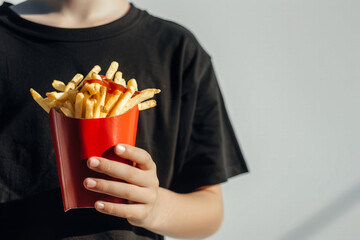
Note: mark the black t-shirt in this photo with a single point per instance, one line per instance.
(188, 134)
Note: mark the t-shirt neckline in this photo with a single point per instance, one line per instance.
(116, 27)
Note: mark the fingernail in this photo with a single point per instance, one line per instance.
(90, 183)
(94, 162)
(100, 205)
(119, 149)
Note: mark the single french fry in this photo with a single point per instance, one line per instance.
(89, 110)
(40, 100)
(146, 105)
(96, 76)
(94, 102)
(90, 87)
(58, 85)
(53, 103)
(131, 86)
(86, 97)
(72, 95)
(123, 82)
(60, 96)
(66, 111)
(136, 87)
(110, 100)
(112, 69)
(96, 94)
(73, 83)
(79, 105)
(69, 106)
(118, 77)
(100, 101)
(95, 69)
(97, 89)
(142, 96)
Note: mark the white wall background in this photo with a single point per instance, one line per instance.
(290, 73)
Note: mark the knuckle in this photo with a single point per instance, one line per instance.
(142, 215)
(152, 197)
(153, 180)
(128, 192)
(129, 150)
(152, 164)
(147, 156)
(100, 185)
(105, 166)
(150, 160)
(109, 208)
(128, 214)
(131, 174)
(145, 212)
(156, 182)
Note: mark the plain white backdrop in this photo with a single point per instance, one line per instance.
(289, 71)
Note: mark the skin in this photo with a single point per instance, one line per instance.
(193, 215)
(72, 13)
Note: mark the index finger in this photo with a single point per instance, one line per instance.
(141, 157)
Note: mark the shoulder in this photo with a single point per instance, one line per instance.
(170, 32)
(4, 8)
(4, 39)
(4, 14)
(167, 26)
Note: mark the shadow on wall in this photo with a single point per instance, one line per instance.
(325, 216)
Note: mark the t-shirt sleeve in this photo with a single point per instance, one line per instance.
(212, 152)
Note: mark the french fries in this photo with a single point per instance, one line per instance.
(58, 85)
(96, 96)
(79, 105)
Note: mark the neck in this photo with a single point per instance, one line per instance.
(72, 13)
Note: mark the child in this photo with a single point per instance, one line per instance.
(185, 146)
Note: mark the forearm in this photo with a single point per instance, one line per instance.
(194, 215)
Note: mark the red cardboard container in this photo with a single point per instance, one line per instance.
(75, 140)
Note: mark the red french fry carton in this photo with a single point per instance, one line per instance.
(76, 140)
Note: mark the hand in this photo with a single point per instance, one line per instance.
(140, 189)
